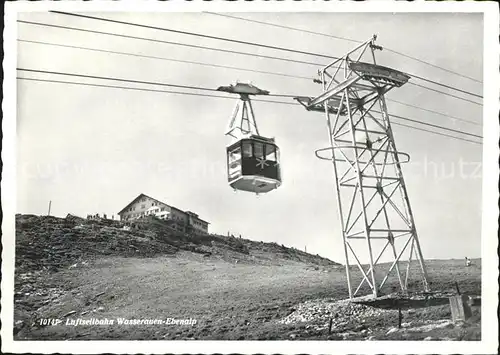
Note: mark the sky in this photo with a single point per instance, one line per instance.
(93, 150)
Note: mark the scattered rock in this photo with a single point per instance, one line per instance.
(444, 323)
(321, 311)
(392, 330)
(345, 335)
(18, 325)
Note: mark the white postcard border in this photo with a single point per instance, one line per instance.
(489, 342)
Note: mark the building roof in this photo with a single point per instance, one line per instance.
(135, 200)
(144, 195)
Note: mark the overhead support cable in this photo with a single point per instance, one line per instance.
(349, 40)
(433, 65)
(436, 112)
(434, 132)
(445, 93)
(284, 27)
(231, 40)
(226, 67)
(118, 87)
(446, 86)
(241, 53)
(208, 89)
(115, 79)
(222, 97)
(166, 59)
(433, 125)
(172, 43)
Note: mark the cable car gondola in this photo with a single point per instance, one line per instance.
(253, 164)
(252, 160)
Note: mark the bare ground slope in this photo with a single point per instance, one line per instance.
(234, 288)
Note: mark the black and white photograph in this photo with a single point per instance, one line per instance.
(250, 178)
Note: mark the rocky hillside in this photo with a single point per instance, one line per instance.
(51, 243)
(236, 289)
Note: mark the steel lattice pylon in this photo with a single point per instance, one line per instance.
(373, 203)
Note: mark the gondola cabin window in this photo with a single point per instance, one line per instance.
(258, 150)
(234, 163)
(271, 152)
(235, 155)
(247, 149)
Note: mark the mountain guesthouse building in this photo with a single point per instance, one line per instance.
(143, 206)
